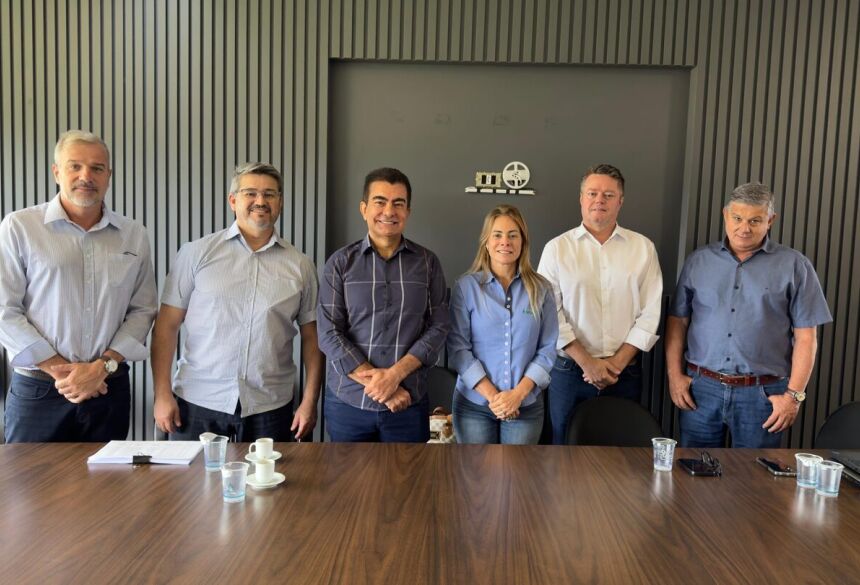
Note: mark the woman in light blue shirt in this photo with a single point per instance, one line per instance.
(502, 341)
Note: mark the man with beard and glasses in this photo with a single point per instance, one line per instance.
(77, 299)
(243, 294)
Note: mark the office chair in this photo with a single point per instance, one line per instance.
(841, 430)
(612, 421)
(440, 387)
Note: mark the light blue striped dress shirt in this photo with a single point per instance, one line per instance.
(72, 292)
(495, 334)
(242, 307)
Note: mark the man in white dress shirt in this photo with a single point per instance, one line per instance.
(608, 288)
(77, 299)
(243, 294)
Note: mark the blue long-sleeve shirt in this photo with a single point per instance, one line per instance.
(495, 334)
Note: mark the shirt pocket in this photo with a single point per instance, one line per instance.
(283, 294)
(122, 270)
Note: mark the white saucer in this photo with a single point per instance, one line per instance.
(276, 479)
(252, 457)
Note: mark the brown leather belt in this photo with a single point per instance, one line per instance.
(746, 380)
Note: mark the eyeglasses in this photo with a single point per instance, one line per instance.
(712, 462)
(253, 194)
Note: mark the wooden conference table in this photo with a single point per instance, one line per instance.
(412, 514)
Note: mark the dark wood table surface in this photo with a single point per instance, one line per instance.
(413, 514)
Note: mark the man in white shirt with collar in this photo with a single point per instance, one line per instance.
(608, 288)
(243, 294)
(77, 299)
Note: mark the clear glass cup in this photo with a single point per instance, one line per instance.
(664, 453)
(829, 476)
(233, 477)
(807, 469)
(215, 452)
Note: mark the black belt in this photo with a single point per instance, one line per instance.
(738, 380)
(40, 375)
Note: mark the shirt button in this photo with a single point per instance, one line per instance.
(728, 359)
(506, 333)
(736, 287)
(505, 342)
(730, 334)
(733, 310)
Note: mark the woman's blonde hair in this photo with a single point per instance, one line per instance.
(534, 283)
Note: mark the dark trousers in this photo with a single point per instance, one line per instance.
(348, 424)
(567, 389)
(37, 413)
(274, 424)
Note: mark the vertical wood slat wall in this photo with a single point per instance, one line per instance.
(183, 90)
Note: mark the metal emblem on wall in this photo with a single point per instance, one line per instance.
(515, 175)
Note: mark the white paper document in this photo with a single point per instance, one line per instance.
(168, 452)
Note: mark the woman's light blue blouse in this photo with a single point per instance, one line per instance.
(495, 334)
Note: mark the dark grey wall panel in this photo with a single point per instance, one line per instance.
(184, 90)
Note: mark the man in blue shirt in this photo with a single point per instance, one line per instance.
(383, 319)
(747, 309)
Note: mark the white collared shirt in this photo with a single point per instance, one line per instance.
(242, 307)
(606, 294)
(70, 292)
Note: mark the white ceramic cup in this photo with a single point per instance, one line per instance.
(261, 448)
(264, 470)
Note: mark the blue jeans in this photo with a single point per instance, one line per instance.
(37, 413)
(348, 424)
(739, 409)
(567, 389)
(477, 424)
(274, 424)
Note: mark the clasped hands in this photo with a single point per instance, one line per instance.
(505, 405)
(79, 381)
(383, 386)
(600, 372)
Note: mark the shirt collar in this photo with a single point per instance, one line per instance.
(769, 246)
(580, 232)
(366, 246)
(492, 277)
(234, 231)
(56, 211)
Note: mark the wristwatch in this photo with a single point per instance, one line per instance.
(111, 365)
(798, 396)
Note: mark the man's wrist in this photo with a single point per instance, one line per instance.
(797, 396)
(109, 364)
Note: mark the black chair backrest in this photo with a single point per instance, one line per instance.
(612, 421)
(440, 387)
(841, 430)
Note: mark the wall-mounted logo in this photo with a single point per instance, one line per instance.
(515, 175)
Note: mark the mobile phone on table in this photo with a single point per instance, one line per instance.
(777, 467)
(699, 467)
